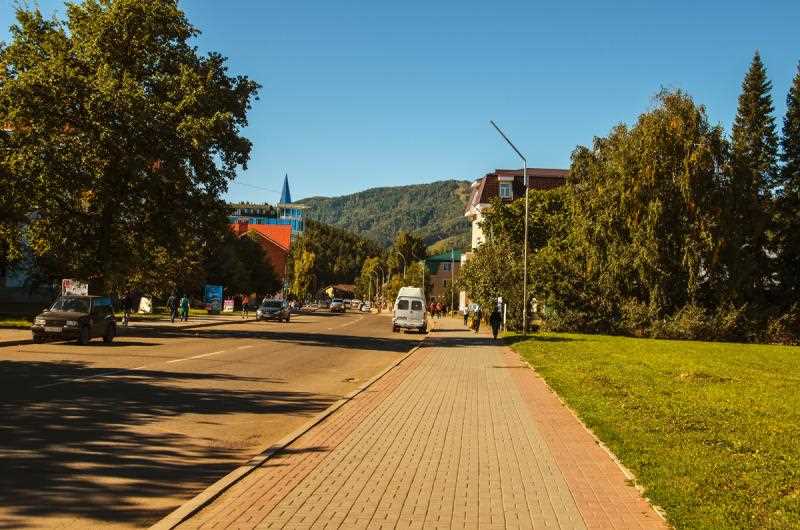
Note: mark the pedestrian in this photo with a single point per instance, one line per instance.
(245, 305)
(438, 310)
(476, 319)
(185, 308)
(172, 305)
(495, 319)
(465, 312)
(127, 307)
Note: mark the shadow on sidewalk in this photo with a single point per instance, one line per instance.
(85, 448)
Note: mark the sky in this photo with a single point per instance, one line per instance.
(359, 94)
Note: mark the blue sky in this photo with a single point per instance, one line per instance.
(364, 94)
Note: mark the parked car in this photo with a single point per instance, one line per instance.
(73, 317)
(366, 307)
(409, 310)
(273, 310)
(356, 304)
(324, 304)
(337, 306)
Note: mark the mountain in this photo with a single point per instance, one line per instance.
(434, 212)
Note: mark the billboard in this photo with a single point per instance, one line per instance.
(212, 297)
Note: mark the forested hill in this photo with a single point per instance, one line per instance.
(434, 212)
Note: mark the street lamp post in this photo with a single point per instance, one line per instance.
(404, 263)
(525, 244)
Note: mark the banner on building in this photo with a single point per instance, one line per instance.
(74, 287)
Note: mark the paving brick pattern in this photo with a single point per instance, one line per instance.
(445, 440)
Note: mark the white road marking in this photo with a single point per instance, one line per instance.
(245, 347)
(196, 356)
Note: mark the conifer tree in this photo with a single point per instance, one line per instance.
(789, 209)
(753, 177)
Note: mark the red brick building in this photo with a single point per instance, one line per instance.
(275, 239)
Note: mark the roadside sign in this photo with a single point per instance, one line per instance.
(228, 306)
(212, 297)
(74, 287)
(145, 305)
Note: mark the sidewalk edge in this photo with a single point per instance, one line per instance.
(195, 504)
(629, 475)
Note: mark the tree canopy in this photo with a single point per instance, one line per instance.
(123, 138)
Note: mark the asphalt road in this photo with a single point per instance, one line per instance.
(119, 435)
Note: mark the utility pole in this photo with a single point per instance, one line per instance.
(452, 278)
(525, 243)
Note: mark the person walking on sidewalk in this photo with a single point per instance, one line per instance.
(245, 306)
(495, 319)
(172, 305)
(476, 319)
(465, 312)
(127, 307)
(185, 308)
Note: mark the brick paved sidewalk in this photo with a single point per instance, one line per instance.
(460, 435)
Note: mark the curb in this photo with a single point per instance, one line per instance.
(195, 504)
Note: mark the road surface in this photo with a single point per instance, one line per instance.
(119, 435)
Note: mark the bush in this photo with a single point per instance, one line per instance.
(636, 317)
(690, 322)
(784, 328)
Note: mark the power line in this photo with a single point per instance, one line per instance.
(254, 186)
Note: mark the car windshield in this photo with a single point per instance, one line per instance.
(273, 304)
(75, 305)
(337, 301)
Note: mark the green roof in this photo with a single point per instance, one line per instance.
(445, 256)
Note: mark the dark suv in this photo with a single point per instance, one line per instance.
(273, 310)
(78, 318)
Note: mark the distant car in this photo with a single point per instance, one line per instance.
(366, 307)
(355, 304)
(273, 310)
(337, 306)
(324, 304)
(80, 318)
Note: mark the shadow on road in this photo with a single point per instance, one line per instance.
(395, 343)
(86, 449)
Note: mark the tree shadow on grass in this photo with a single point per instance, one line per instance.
(92, 449)
(514, 339)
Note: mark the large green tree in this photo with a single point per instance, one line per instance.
(123, 137)
(753, 176)
(789, 199)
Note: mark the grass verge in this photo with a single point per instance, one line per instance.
(711, 430)
(14, 322)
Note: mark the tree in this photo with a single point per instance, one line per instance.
(789, 199)
(239, 264)
(495, 271)
(303, 274)
(123, 137)
(407, 245)
(753, 176)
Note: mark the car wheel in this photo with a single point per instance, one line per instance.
(83, 338)
(395, 329)
(287, 319)
(37, 339)
(111, 332)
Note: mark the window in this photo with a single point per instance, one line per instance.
(505, 191)
(444, 283)
(403, 305)
(416, 305)
(446, 267)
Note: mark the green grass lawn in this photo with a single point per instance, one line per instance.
(711, 430)
(14, 322)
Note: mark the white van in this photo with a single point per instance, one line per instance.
(409, 310)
